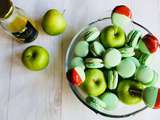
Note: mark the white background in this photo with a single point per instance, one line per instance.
(45, 95)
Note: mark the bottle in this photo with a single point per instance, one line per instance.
(14, 21)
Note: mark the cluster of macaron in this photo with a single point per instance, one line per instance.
(112, 66)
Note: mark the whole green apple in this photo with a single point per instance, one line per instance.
(35, 58)
(130, 91)
(53, 22)
(95, 83)
(112, 36)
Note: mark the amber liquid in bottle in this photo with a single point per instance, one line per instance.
(29, 33)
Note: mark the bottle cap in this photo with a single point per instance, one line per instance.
(6, 8)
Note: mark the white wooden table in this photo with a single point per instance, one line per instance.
(45, 95)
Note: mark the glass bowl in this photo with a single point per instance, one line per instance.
(122, 110)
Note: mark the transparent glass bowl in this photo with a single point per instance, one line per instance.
(122, 110)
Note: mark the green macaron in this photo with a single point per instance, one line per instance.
(112, 79)
(127, 51)
(146, 75)
(94, 63)
(97, 49)
(96, 103)
(135, 60)
(91, 34)
(154, 80)
(81, 49)
(126, 68)
(110, 99)
(145, 59)
(133, 38)
(77, 62)
(150, 96)
(112, 57)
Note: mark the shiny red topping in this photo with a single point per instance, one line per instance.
(157, 105)
(75, 78)
(151, 42)
(124, 10)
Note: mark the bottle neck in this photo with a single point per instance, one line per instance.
(6, 9)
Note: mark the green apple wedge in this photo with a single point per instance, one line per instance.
(112, 36)
(35, 58)
(53, 22)
(130, 92)
(95, 83)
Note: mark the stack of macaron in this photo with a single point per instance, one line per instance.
(112, 66)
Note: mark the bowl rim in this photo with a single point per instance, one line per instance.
(73, 87)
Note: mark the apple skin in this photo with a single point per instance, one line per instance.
(95, 83)
(53, 22)
(112, 36)
(35, 58)
(125, 96)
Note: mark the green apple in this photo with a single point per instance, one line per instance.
(53, 22)
(113, 36)
(130, 92)
(35, 58)
(95, 83)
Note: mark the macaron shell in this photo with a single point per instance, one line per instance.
(157, 105)
(77, 61)
(112, 58)
(135, 60)
(96, 103)
(126, 68)
(154, 80)
(112, 79)
(81, 49)
(144, 74)
(97, 48)
(110, 99)
(92, 34)
(120, 20)
(133, 38)
(94, 63)
(150, 96)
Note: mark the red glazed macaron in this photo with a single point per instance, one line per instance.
(149, 44)
(77, 76)
(121, 16)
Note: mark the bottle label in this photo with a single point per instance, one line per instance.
(28, 34)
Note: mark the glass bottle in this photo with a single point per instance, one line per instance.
(14, 21)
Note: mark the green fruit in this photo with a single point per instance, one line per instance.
(54, 22)
(112, 36)
(95, 83)
(35, 58)
(130, 92)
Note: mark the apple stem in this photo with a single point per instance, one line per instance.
(136, 92)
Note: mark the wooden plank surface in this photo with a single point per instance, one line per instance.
(45, 95)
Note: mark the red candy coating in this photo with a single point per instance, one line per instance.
(124, 10)
(151, 42)
(75, 78)
(157, 104)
